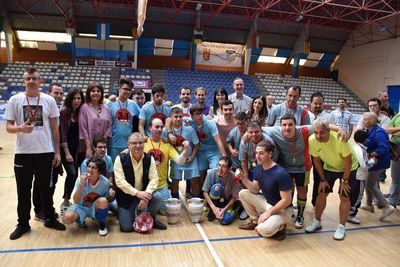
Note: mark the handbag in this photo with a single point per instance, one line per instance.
(394, 151)
(143, 222)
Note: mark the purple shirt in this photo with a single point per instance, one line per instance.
(94, 122)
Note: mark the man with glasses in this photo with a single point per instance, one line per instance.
(374, 105)
(100, 148)
(343, 117)
(122, 111)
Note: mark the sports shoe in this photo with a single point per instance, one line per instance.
(54, 224)
(369, 208)
(19, 231)
(159, 225)
(314, 226)
(248, 226)
(211, 216)
(386, 212)
(103, 231)
(293, 212)
(281, 234)
(40, 217)
(340, 232)
(299, 223)
(243, 215)
(64, 207)
(353, 219)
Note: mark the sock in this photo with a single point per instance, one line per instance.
(301, 205)
(101, 215)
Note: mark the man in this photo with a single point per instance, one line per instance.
(185, 96)
(290, 106)
(270, 103)
(292, 143)
(122, 111)
(57, 92)
(33, 115)
(190, 170)
(139, 97)
(374, 105)
(211, 145)
(235, 137)
(226, 122)
(154, 109)
(136, 180)
(339, 162)
(100, 148)
(317, 108)
(163, 153)
(343, 117)
(394, 129)
(269, 212)
(240, 101)
(201, 96)
(383, 96)
(220, 190)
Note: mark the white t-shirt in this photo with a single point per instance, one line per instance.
(40, 140)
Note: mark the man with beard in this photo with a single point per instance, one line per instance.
(226, 122)
(154, 109)
(343, 117)
(317, 108)
(201, 96)
(383, 96)
(290, 106)
(185, 96)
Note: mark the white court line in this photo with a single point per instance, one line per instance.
(210, 247)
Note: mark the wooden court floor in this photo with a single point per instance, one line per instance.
(373, 243)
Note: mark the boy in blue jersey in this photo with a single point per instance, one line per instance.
(154, 109)
(235, 137)
(123, 111)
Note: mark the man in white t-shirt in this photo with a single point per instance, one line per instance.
(33, 115)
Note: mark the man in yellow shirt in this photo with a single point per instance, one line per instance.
(136, 180)
(325, 146)
(162, 153)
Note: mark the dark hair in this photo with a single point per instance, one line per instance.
(294, 87)
(215, 104)
(269, 147)
(52, 85)
(201, 88)
(91, 86)
(137, 91)
(196, 108)
(253, 124)
(158, 88)
(227, 102)
(227, 160)
(100, 163)
(375, 99)
(242, 116)
(264, 111)
(68, 101)
(317, 94)
(123, 81)
(288, 116)
(360, 136)
(175, 110)
(99, 139)
(185, 88)
(31, 70)
(341, 98)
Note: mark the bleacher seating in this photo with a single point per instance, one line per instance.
(211, 80)
(276, 85)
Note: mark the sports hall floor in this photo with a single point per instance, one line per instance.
(373, 243)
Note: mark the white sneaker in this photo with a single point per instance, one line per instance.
(63, 208)
(102, 229)
(340, 232)
(314, 226)
(353, 219)
(299, 223)
(386, 212)
(243, 215)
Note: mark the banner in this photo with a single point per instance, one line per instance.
(104, 63)
(140, 84)
(219, 54)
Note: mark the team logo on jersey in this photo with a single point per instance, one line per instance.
(90, 198)
(157, 154)
(123, 116)
(201, 135)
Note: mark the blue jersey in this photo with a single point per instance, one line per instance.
(206, 133)
(107, 159)
(149, 110)
(90, 193)
(122, 115)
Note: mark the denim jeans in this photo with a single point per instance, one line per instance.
(70, 179)
(126, 216)
(164, 196)
(395, 186)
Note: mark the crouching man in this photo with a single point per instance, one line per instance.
(268, 212)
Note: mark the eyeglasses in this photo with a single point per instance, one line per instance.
(92, 167)
(31, 78)
(127, 89)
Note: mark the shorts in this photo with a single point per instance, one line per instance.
(301, 179)
(331, 178)
(186, 171)
(208, 160)
(84, 212)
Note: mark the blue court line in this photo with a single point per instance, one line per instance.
(156, 244)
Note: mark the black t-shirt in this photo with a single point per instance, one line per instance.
(272, 181)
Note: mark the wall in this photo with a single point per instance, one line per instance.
(27, 54)
(369, 68)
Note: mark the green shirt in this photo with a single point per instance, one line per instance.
(395, 122)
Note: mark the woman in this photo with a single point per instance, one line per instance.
(378, 148)
(71, 152)
(90, 197)
(219, 96)
(259, 111)
(94, 117)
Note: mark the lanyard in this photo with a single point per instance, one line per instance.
(32, 114)
(155, 109)
(159, 144)
(120, 106)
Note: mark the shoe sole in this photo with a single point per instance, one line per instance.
(316, 229)
(387, 215)
(299, 226)
(338, 239)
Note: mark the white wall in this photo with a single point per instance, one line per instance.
(369, 68)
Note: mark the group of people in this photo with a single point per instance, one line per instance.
(245, 156)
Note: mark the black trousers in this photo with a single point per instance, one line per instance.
(317, 179)
(25, 166)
